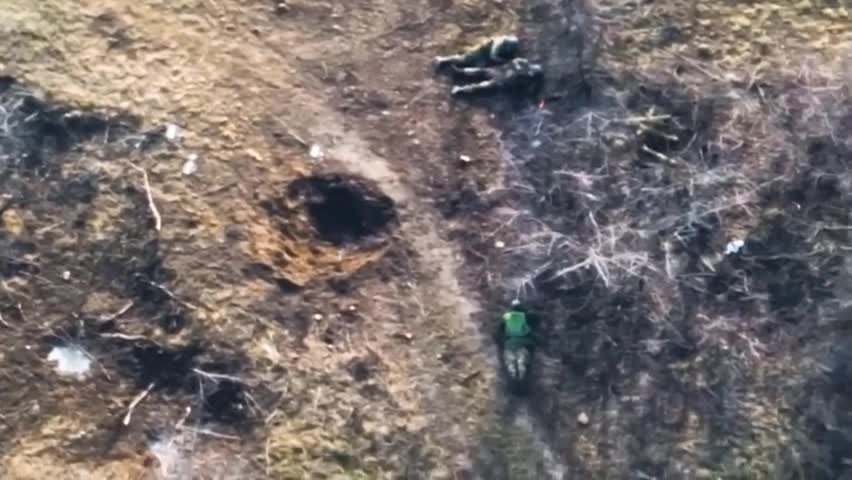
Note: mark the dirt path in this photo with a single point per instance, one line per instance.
(228, 75)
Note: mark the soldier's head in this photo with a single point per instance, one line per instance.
(516, 306)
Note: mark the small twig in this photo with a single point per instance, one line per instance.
(158, 220)
(171, 295)
(210, 433)
(124, 336)
(122, 311)
(293, 135)
(658, 155)
(135, 402)
(183, 418)
(641, 120)
(215, 377)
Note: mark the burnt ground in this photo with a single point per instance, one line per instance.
(284, 313)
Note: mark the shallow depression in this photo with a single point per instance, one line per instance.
(344, 210)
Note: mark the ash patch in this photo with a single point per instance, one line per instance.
(36, 130)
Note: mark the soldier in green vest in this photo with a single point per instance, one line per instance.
(517, 343)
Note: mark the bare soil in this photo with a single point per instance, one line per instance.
(318, 299)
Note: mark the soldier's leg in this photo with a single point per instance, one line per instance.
(510, 359)
(478, 54)
(472, 74)
(478, 87)
(522, 361)
(441, 62)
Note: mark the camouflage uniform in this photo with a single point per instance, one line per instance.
(494, 51)
(519, 75)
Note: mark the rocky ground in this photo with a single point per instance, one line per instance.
(280, 247)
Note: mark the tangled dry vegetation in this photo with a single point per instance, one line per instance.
(683, 223)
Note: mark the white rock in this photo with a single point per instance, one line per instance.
(190, 166)
(734, 246)
(70, 361)
(66, 275)
(172, 132)
(318, 317)
(465, 158)
(316, 152)
(583, 419)
(499, 244)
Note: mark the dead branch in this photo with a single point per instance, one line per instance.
(209, 433)
(123, 336)
(135, 402)
(158, 220)
(120, 312)
(216, 377)
(171, 295)
(292, 134)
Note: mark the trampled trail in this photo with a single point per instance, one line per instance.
(528, 443)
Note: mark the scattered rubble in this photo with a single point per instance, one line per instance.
(70, 360)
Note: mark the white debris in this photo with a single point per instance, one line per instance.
(172, 132)
(583, 419)
(499, 244)
(66, 275)
(318, 317)
(282, 7)
(70, 361)
(734, 246)
(174, 456)
(190, 166)
(316, 152)
(465, 158)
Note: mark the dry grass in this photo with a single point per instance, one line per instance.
(624, 255)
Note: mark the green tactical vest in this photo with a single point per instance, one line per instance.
(516, 324)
